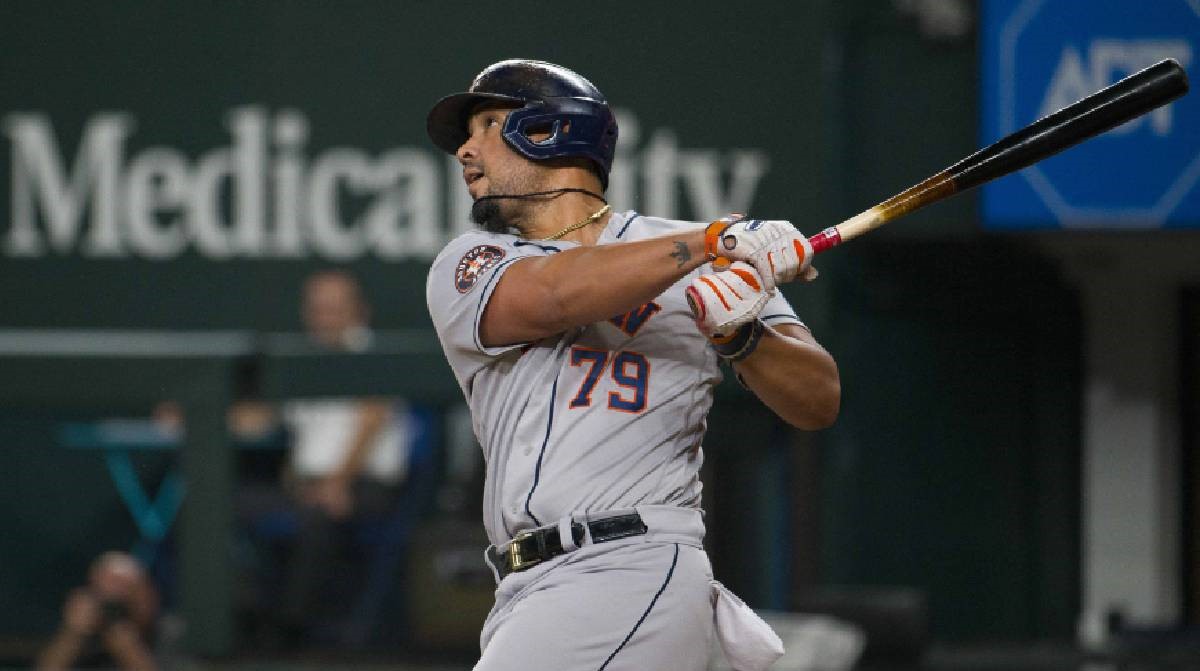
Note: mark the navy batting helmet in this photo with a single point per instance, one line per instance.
(549, 98)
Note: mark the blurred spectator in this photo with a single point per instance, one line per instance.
(347, 457)
(108, 622)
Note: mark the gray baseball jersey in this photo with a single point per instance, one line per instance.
(602, 417)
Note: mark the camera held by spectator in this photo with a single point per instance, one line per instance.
(109, 621)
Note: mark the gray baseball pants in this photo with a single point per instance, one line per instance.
(637, 603)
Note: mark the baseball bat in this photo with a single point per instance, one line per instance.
(1103, 110)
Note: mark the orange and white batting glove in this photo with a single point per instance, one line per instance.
(726, 306)
(775, 248)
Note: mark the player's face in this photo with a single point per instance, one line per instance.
(490, 165)
(492, 168)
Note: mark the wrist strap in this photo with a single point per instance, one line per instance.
(741, 343)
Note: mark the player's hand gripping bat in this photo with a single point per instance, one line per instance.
(1105, 109)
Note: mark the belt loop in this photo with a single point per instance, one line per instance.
(487, 559)
(565, 537)
(587, 527)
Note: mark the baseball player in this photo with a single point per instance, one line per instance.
(587, 343)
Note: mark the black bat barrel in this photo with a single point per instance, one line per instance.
(1105, 109)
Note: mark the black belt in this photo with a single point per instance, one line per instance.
(534, 546)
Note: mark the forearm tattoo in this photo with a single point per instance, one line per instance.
(681, 254)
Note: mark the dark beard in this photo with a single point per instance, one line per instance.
(486, 214)
(485, 211)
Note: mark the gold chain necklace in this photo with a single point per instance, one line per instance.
(584, 222)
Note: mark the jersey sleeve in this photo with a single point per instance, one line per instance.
(460, 283)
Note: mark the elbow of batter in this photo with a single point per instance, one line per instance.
(829, 404)
(818, 407)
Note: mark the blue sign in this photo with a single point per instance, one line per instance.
(1039, 56)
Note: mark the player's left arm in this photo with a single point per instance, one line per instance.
(794, 376)
(783, 365)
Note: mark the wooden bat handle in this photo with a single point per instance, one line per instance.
(931, 190)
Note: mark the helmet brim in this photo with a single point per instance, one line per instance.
(447, 121)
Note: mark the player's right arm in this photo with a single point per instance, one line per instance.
(540, 296)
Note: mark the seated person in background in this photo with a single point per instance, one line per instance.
(108, 622)
(347, 457)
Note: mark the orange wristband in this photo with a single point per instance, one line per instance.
(712, 236)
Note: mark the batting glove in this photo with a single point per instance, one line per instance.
(726, 305)
(775, 248)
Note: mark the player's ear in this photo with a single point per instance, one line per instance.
(544, 132)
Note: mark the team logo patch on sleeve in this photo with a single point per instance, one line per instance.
(472, 265)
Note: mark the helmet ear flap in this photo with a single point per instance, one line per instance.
(573, 127)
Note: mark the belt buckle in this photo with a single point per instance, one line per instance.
(517, 562)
